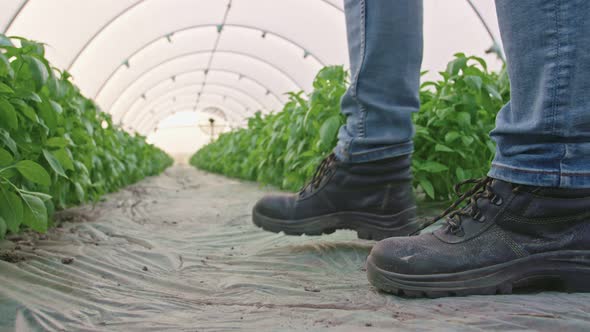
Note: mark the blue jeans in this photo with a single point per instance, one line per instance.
(542, 134)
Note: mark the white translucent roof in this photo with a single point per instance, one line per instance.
(144, 60)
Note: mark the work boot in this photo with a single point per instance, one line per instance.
(375, 199)
(506, 237)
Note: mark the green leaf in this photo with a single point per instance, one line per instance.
(5, 158)
(451, 137)
(5, 89)
(29, 113)
(54, 163)
(38, 70)
(3, 228)
(474, 82)
(433, 167)
(493, 92)
(28, 95)
(64, 159)
(44, 197)
(80, 136)
(460, 173)
(33, 172)
(5, 41)
(464, 119)
(79, 192)
(57, 142)
(427, 187)
(8, 117)
(8, 141)
(11, 209)
(48, 114)
(467, 140)
(89, 128)
(32, 46)
(491, 146)
(5, 68)
(56, 87)
(329, 130)
(56, 107)
(456, 65)
(443, 148)
(34, 213)
(481, 61)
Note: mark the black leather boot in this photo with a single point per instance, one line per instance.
(374, 198)
(507, 237)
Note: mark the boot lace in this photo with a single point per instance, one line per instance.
(323, 170)
(481, 189)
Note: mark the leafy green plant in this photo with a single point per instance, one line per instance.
(451, 140)
(56, 148)
(282, 148)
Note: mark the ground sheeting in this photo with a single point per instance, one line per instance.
(178, 252)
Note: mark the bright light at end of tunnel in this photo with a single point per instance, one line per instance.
(181, 134)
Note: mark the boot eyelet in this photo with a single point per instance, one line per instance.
(456, 230)
(479, 217)
(497, 200)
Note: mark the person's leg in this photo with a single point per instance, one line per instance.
(366, 185)
(385, 49)
(543, 134)
(530, 220)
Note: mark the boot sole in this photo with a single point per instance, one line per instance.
(567, 271)
(368, 226)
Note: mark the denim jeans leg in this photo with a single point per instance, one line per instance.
(543, 133)
(385, 49)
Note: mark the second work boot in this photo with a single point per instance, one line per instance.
(374, 198)
(508, 236)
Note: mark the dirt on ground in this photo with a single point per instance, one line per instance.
(178, 252)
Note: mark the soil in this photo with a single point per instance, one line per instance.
(11, 256)
(178, 252)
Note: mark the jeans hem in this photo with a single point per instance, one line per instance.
(540, 178)
(376, 154)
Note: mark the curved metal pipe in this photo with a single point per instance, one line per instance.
(235, 115)
(256, 100)
(235, 100)
(170, 92)
(15, 16)
(496, 46)
(189, 107)
(115, 18)
(177, 92)
(149, 127)
(200, 70)
(289, 77)
(100, 31)
(162, 105)
(210, 25)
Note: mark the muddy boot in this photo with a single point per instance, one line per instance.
(375, 199)
(506, 237)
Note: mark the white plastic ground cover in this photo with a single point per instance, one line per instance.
(118, 50)
(179, 252)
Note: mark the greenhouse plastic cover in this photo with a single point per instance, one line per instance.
(136, 57)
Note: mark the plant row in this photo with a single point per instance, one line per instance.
(452, 143)
(57, 148)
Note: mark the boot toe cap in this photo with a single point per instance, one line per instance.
(406, 255)
(275, 206)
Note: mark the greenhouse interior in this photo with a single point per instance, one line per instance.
(140, 139)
